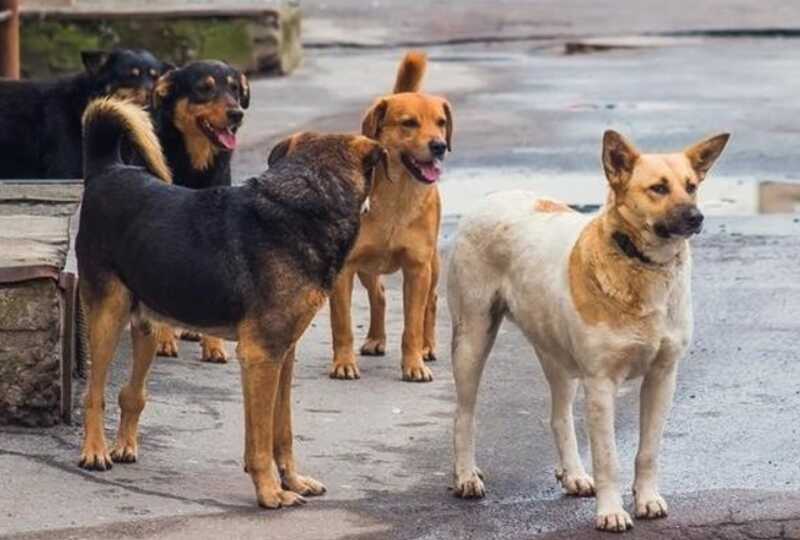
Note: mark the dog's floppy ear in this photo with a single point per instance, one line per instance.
(244, 91)
(280, 150)
(448, 112)
(619, 157)
(166, 67)
(378, 155)
(163, 88)
(703, 154)
(373, 121)
(93, 61)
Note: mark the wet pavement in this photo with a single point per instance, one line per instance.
(527, 115)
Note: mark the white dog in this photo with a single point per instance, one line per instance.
(601, 298)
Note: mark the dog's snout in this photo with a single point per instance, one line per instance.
(235, 115)
(438, 147)
(693, 217)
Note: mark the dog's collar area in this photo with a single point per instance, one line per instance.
(627, 247)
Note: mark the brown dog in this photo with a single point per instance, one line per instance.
(401, 231)
(282, 274)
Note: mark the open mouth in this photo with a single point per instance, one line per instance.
(222, 137)
(427, 172)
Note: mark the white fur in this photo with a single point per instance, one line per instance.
(507, 256)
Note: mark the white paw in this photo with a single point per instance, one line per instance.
(470, 485)
(651, 506)
(616, 521)
(576, 484)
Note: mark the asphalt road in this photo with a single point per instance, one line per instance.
(526, 115)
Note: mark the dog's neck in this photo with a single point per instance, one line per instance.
(192, 165)
(400, 195)
(615, 266)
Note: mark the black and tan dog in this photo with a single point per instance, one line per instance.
(40, 121)
(198, 110)
(265, 254)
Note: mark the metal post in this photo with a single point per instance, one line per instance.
(9, 39)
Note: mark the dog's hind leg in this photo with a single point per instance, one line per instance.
(570, 471)
(167, 343)
(375, 344)
(416, 287)
(284, 442)
(475, 326)
(429, 343)
(656, 394)
(107, 310)
(133, 396)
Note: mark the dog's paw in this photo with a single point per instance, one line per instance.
(95, 457)
(417, 373)
(344, 371)
(213, 351)
(575, 484)
(652, 506)
(167, 347)
(304, 485)
(124, 453)
(279, 498)
(470, 485)
(428, 354)
(374, 347)
(617, 521)
(189, 335)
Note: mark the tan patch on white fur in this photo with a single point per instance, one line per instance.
(550, 206)
(136, 122)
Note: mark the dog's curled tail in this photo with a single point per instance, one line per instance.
(106, 123)
(411, 72)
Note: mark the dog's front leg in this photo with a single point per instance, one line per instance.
(416, 287)
(344, 360)
(260, 380)
(213, 350)
(375, 344)
(600, 395)
(284, 438)
(656, 394)
(167, 343)
(429, 346)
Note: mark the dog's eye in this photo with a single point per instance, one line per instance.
(410, 123)
(135, 72)
(690, 188)
(441, 122)
(153, 73)
(661, 189)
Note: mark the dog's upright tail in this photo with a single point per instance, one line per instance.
(411, 72)
(107, 122)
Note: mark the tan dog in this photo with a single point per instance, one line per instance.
(602, 299)
(401, 231)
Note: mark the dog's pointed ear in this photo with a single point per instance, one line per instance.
(619, 157)
(93, 61)
(703, 154)
(280, 150)
(244, 91)
(448, 112)
(373, 120)
(163, 88)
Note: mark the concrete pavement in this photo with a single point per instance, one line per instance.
(526, 115)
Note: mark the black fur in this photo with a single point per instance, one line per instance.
(40, 121)
(209, 258)
(186, 82)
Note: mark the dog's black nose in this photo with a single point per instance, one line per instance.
(693, 217)
(235, 115)
(438, 147)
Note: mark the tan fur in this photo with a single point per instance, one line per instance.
(137, 123)
(201, 150)
(550, 206)
(400, 232)
(411, 72)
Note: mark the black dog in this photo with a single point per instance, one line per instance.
(40, 121)
(198, 110)
(265, 254)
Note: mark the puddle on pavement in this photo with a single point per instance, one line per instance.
(464, 188)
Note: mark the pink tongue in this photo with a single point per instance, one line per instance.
(227, 138)
(431, 171)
